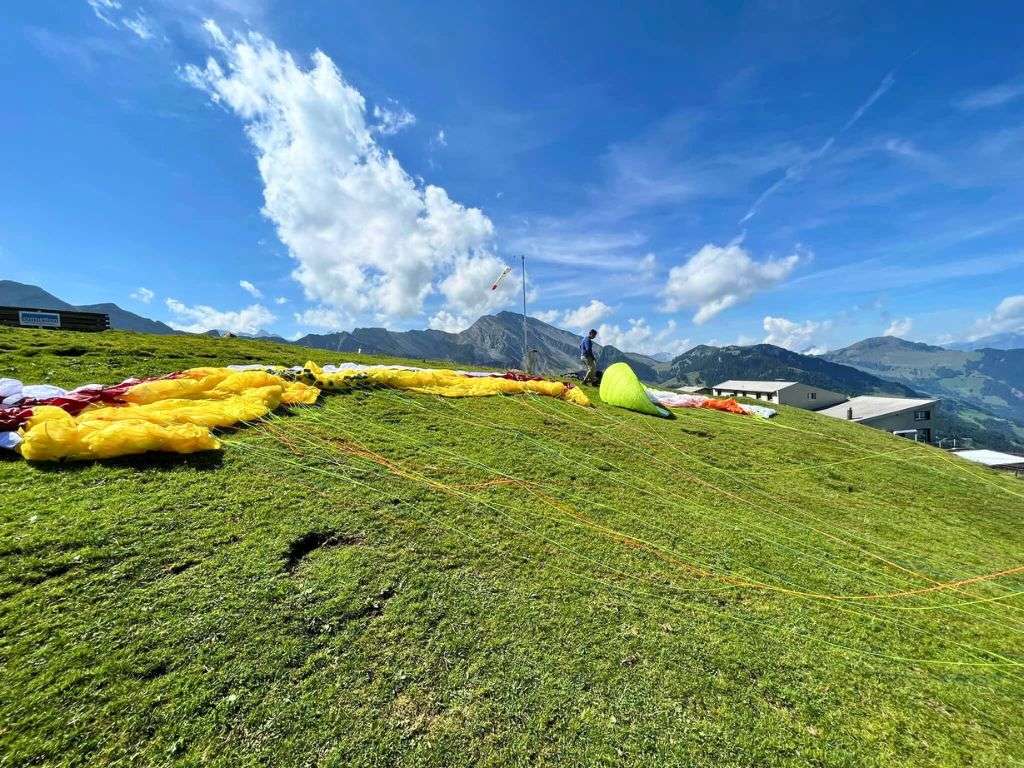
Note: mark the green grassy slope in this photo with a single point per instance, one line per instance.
(393, 579)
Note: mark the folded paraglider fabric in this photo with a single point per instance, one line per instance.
(176, 412)
(729, 405)
(55, 434)
(12, 391)
(621, 387)
(13, 417)
(217, 384)
(758, 410)
(440, 382)
(167, 414)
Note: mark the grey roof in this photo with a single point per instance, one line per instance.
(740, 385)
(871, 406)
(991, 458)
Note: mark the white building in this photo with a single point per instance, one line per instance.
(785, 392)
(1006, 462)
(904, 416)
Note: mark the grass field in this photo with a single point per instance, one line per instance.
(391, 579)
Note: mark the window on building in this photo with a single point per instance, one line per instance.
(812, 395)
(922, 415)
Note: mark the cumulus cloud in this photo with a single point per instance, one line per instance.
(392, 120)
(251, 289)
(639, 337)
(1008, 317)
(586, 316)
(581, 318)
(280, 300)
(899, 327)
(365, 235)
(143, 295)
(446, 321)
(799, 337)
(718, 277)
(549, 316)
(467, 289)
(202, 318)
(322, 317)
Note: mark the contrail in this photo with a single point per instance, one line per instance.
(884, 86)
(797, 169)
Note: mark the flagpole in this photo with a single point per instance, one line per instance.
(526, 349)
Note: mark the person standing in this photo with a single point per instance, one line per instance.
(587, 356)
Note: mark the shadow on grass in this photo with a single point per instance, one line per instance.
(145, 462)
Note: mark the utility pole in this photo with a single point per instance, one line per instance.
(526, 349)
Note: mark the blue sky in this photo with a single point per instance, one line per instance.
(803, 173)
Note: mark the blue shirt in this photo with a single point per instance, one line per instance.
(587, 347)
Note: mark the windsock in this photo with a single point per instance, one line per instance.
(504, 273)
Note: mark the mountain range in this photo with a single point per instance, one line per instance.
(982, 389)
(1008, 340)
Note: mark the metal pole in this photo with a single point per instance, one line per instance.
(526, 348)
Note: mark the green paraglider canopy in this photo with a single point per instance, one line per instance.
(621, 387)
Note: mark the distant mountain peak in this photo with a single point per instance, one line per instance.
(17, 294)
(890, 342)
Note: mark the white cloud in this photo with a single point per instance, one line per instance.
(640, 337)
(323, 317)
(549, 316)
(104, 10)
(365, 235)
(903, 148)
(446, 321)
(143, 295)
(108, 11)
(553, 242)
(718, 277)
(1008, 317)
(280, 300)
(995, 96)
(391, 121)
(467, 290)
(899, 327)
(140, 26)
(586, 316)
(203, 318)
(442, 140)
(799, 337)
(579, 319)
(251, 289)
